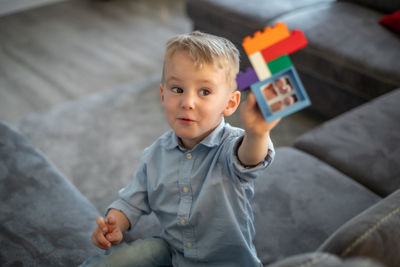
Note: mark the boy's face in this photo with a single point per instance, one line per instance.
(195, 99)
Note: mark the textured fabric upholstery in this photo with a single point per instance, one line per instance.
(362, 143)
(99, 139)
(235, 19)
(374, 234)
(44, 220)
(320, 259)
(309, 259)
(299, 202)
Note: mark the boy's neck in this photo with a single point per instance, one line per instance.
(189, 145)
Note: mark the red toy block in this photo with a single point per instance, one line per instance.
(294, 42)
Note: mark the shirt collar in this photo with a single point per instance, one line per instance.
(213, 139)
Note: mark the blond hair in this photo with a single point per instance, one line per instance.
(205, 48)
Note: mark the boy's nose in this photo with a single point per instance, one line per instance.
(188, 101)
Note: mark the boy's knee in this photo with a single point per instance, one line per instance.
(143, 252)
(154, 250)
(147, 252)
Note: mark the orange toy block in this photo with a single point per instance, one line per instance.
(268, 37)
(296, 41)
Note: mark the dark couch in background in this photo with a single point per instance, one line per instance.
(328, 201)
(350, 58)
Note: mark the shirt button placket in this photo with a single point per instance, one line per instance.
(186, 204)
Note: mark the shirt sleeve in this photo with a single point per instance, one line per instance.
(250, 173)
(133, 201)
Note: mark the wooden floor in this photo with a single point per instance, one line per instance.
(64, 51)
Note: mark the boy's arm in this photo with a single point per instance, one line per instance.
(254, 147)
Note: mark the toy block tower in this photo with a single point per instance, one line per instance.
(272, 77)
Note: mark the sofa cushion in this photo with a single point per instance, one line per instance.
(373, 233)
(362, 143)
(299, 202)
(349, 54)
(44, 219)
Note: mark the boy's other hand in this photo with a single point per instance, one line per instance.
(107, 233)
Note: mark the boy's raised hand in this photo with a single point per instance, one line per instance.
(107, 233)
(254, 147)
(252, 118)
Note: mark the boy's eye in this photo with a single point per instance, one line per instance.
(204, 92)
(177, 90)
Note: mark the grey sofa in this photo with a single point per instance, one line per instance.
(44, 219)
(350, 58)
(332, 200)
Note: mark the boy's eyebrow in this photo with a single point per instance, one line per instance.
(176, 79)
(173, 79)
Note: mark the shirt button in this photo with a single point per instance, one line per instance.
(183, 221)
(189, 244)
(186, 189)
(188, 156)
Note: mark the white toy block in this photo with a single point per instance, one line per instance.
(260, 66)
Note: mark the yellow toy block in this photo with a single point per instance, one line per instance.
(268, 37)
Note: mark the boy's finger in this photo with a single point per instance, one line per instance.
(113, 237)
(252, 102)
(102, 224)
(111, 224)
(251, 98)
(111, 220)
(100, 241)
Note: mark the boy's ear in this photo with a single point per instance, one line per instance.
(233, 104)
(162, 93)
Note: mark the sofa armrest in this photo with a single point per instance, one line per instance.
(373, 233)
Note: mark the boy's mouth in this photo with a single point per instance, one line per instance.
(185, 120)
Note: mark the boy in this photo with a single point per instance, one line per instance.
(197, 178)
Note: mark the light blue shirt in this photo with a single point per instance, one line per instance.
(200, 196)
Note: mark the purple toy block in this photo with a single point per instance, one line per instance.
(245, 79)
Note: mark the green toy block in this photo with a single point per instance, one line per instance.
(279, 64)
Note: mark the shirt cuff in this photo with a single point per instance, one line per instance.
(132, 214)
(262, 165)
